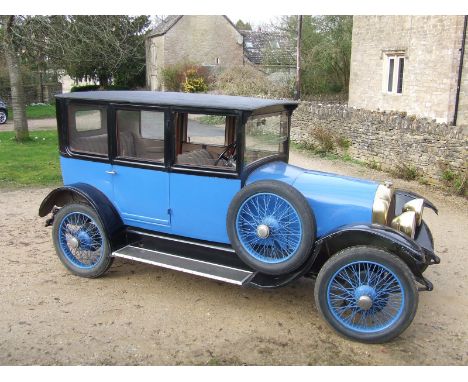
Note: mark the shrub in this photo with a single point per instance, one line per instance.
(455, 180)
(325, 139)
(186, 77)
(194, 82)
(84, 88)
(406, 172)
(248, 81)
(172, 77)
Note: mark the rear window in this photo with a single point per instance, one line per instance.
(88, 129)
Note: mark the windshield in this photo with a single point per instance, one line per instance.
(265, 135)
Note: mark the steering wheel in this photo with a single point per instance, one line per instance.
(227, 155)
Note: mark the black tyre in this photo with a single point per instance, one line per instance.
(271, 227)
(366, 294)
(80, 241)
(3, 117)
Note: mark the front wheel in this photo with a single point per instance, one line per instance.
(366, 294)
(80, 240)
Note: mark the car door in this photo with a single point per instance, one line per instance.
(201, 187)
(140, 180)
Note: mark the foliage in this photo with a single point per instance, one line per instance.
(110, 49)
(325, 139)
(31, 163)
(455, 180)
(194, 82)
(325, 51)
(37, 111)
(212, 119)
(406, 171)
(249, 81)
(186, 77)
(172, 77)
(84, 88)
(243, 26)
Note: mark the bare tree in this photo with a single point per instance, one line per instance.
(16, 82)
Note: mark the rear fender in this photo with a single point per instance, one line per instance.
(79, 193)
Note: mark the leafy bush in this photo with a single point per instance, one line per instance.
(186, 77)
(173, 77)
(194, 82)
(84, 88)
(455, 180)
(406, 172)
(325, 139)
(248, 81)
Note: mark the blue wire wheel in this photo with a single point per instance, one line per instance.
(80, 240)
(269, 228)
(366, 297)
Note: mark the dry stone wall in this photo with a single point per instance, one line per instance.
(387, 139)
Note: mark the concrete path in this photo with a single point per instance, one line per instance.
(33, 124)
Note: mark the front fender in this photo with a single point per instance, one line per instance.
(414, 255)
(79, 192)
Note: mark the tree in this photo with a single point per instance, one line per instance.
(110, 49)
(243, 26)
(325, 51)
(12, 59)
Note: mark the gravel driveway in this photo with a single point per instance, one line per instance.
(140, 314)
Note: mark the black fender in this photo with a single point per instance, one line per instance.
(404, 196)
(375, 235)
(84, 192)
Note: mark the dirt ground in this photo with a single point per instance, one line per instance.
(139, 314)
(33, 124)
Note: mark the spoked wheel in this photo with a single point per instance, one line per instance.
(80, 241)
(366, 294)
(271, 227)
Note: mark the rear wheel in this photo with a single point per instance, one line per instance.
(366, 294)
(80, 240)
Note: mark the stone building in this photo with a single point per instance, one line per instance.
(204, 40)
(212, 41)
(411, 64)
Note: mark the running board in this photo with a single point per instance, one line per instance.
(185, 264)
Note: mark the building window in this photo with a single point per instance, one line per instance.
(395, 65)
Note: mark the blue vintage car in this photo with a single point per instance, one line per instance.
(201, 184)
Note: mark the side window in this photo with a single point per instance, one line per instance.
(140, 134)
(88, 129)
(206, 140)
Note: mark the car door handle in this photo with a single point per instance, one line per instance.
(111, 172)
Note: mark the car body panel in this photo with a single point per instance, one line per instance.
(199, 205)
(141, 196)
(94, 173)
(335, 200)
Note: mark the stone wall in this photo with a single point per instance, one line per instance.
(430, 46)
(386, 139)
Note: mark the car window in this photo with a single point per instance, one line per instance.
(206, 129)
(88, 129)
(206, 140)
(265, 135)
(140, 134)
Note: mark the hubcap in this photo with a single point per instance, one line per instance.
(364, 302)
(263, 231)
(73, 243)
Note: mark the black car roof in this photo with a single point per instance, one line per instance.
(210, 101)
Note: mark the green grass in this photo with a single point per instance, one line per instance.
(36, 112)
(32, 163)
